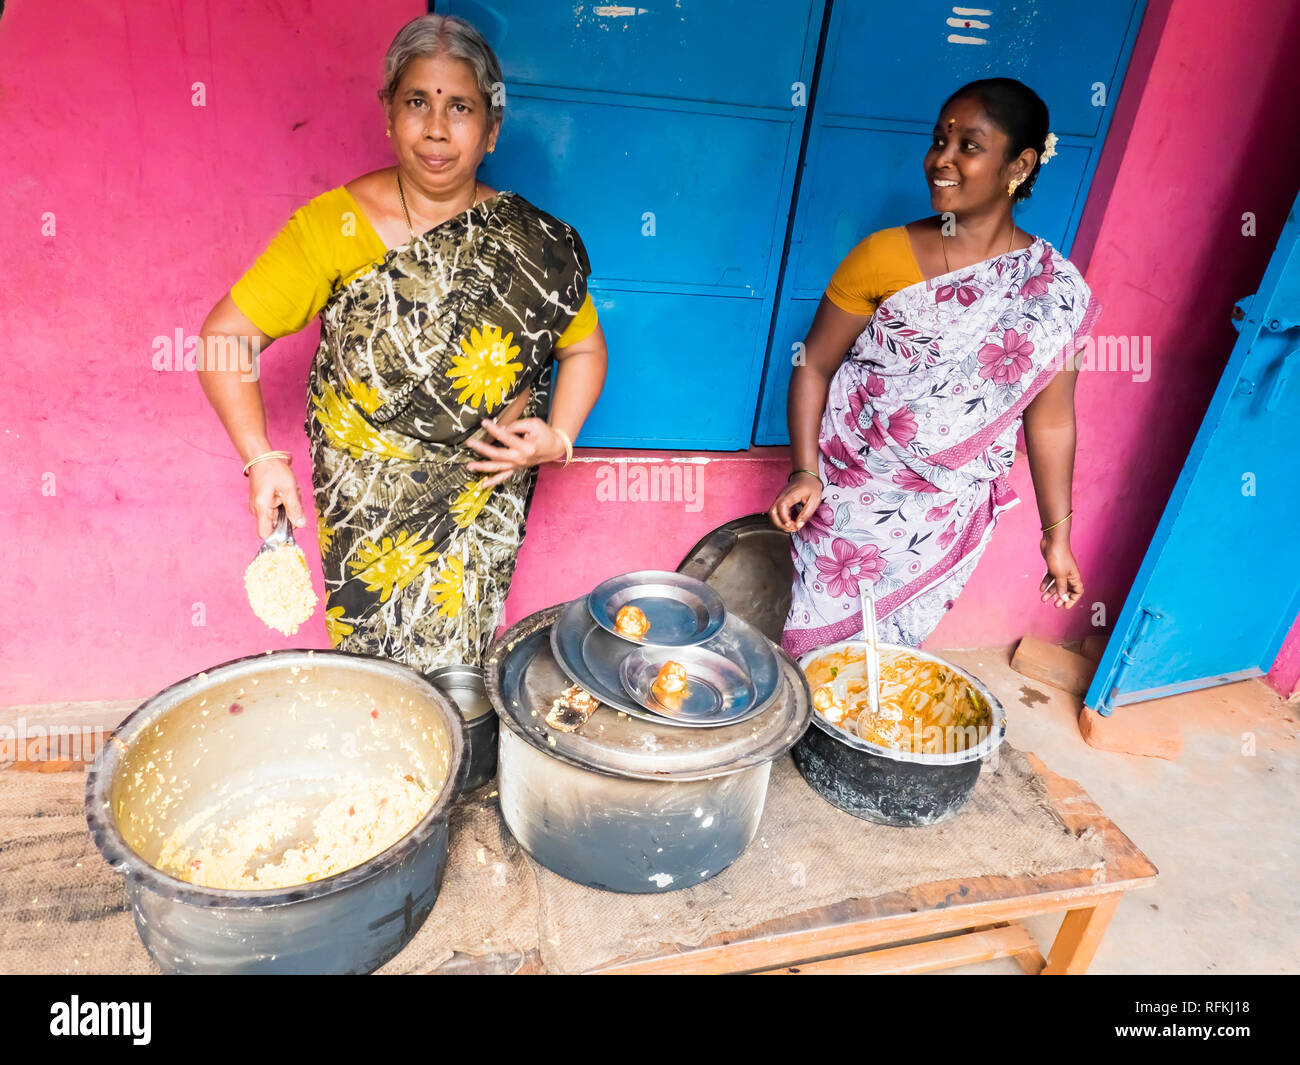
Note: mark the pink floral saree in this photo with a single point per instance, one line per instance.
(918, 439)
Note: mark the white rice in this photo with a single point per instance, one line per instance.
(279, 588)
(249, 853)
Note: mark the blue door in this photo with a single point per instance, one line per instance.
(1220, 585)
(668, 133)
(886, 70)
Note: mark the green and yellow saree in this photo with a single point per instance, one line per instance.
(414, 353)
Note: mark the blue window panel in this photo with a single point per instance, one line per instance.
(683, 111)
(1195, 617)
(901, 63)
(703, 50)
(679, 373)
(579, 163)
(886, 71)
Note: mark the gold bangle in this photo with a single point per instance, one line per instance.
(1049, 528)
(568, 444)
(812, 473)
(268, 455)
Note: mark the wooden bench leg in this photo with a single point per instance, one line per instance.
(1080, 936)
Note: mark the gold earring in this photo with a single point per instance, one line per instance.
(1011, 189)
(388, 133)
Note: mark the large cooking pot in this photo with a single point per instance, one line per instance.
(889, 786)
(290, 725)
(625, 804)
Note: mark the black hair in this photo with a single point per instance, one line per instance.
(1016, 110)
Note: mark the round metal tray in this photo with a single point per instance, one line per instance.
(719, 691)
(682, 611)
(523, 676)
(594, 659)
(568, 635)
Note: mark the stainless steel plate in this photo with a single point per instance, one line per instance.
(743, 644)
(682, 611)
(567, 637)
(603, 654)
(720, 691)
(522, 678)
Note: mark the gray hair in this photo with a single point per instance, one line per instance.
(430, 36)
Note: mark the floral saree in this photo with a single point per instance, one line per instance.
(918, 438)
(414, 353)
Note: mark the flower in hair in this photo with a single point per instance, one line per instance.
(1049, 149)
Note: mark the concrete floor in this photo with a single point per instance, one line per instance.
(1219, 824)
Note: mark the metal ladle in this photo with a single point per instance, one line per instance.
(873, 657)
(840, 684)
(282, 533)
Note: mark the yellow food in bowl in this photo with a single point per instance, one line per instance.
(925, 707)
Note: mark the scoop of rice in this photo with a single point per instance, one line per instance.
(279, 588)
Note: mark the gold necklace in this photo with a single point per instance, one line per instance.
(402, 195)
(944, 245)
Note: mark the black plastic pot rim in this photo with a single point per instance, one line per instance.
(123, 859)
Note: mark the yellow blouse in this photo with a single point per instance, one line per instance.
(873, 271)
(324, 245)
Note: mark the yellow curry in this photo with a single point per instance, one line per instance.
(925, 707)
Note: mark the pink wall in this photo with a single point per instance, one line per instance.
(159, 205)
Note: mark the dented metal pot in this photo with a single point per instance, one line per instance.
(625, 804)
(289, 725)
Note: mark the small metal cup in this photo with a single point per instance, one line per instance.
(463, 684)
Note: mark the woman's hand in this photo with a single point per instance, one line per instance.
(270, 484)
(802, 488)
(1062, 586)
(526, 442)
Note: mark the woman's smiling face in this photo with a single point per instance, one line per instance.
(441, 124)
(966, 167)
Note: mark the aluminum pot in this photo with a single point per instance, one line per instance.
(889, 786)
(622, 834)
(463, 684)
(625, 804)
(291, 725)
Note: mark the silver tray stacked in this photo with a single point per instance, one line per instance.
(733, 669)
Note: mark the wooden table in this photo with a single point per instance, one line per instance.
(932, 926)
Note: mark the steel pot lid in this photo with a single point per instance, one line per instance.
(523, 677)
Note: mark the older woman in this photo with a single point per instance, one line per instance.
(955, 327)
(442, 302)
